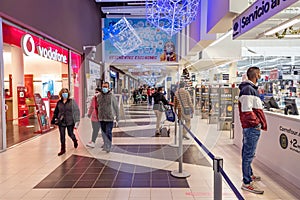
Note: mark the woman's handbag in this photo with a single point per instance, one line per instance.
(59, 121)
(160, 107)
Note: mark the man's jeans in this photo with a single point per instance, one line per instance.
(250, 139)
(106, 129)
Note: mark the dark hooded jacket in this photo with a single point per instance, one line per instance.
(250, 106)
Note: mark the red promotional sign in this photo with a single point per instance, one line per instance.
(33, 45)
(274, 74)
(43, 119)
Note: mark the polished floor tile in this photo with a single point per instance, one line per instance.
(86, 172)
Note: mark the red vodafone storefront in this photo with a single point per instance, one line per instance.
(34, 71)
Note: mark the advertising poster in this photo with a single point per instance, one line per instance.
(156, 46)
(43, 119)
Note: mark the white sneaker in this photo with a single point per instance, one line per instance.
(252, 188)
(91, 144)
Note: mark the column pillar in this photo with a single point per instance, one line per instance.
(211, 76)
(2, 100)
(232, 72)
(17, 76)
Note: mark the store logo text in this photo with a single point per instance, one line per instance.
(49, 53)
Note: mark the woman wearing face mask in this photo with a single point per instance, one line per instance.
(159, 99)
(93, 115)
(66, 115)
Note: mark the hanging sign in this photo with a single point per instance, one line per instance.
(258, 12)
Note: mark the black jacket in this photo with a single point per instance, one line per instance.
(68, 113)
(159, 97)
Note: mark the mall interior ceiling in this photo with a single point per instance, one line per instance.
(267, 52)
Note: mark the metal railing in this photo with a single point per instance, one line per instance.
(217, 166)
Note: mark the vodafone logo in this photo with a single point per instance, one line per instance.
(25, 39)
(45, 52)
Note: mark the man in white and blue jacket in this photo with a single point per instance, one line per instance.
(253, 121)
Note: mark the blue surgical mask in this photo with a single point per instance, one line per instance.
(105, 90)
(65, 95)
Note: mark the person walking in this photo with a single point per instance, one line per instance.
(253, 121)
(108, 110)
(159, 101)
(93, 115)
(149, 94)
(66, 116)
(183, 101)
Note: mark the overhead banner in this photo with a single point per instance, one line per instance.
(258, 12)
(156, 45)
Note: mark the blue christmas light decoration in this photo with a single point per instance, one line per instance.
(122, 35)
(110, 31)
(171, 15)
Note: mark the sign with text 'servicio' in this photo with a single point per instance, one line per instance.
(257, 13)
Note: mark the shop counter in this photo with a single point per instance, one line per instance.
(279, 146)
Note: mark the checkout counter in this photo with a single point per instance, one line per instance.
(279, 146)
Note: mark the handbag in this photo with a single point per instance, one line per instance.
(58, 121)
(160, 107)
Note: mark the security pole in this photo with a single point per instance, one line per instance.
(218, 163)
(180, 173)
(175, 134)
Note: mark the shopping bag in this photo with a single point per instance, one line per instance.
(170, 115)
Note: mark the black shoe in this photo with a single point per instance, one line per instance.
(75, 144)
(62, 150)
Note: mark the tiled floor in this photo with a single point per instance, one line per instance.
(17, 134)
(33, 170)
(87, 172)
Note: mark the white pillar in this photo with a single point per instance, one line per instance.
(17, 76)
(232, 72)
(2, 100)
(106, 73)
(211, 76)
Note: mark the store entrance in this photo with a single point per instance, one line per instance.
(24, 78)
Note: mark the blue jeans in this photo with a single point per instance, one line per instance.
(106, 129)
(250, 139)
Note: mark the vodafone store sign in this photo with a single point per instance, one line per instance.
(31, 44)
(49, 53)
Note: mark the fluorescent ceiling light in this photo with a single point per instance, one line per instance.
(221, 38)
(282, 26)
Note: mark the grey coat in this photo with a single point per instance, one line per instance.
(108, 107)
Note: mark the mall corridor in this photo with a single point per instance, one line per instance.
(137, 168)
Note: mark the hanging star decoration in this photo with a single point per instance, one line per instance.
(171, 16)
(110, 31)
(122, 36)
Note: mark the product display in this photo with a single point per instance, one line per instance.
(213, 105)
(226, 108)
(204, 101)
